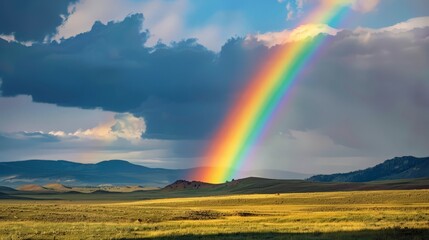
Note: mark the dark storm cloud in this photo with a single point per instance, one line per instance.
(365, 82)
(369, 91)
(181, 90)
(32, 20)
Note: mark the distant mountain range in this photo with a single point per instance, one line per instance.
(396, 168)
(114, 172)
(120, 172)
(118, 179)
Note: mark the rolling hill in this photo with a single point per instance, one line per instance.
(32, 188)
(252, 185)
(397, 168)
(263, 185)
(57, 187)
(7, 190)
(111, 172)
(115, 172)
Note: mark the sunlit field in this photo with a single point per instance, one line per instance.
(329, 215)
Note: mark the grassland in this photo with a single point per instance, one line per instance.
(402, 214)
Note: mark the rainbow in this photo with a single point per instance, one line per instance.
(248, 116)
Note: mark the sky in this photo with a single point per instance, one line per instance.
(150, 81)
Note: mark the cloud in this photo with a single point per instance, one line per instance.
(364, 6)
(94, 148)
(128, 127)
(16, 112)
(116, 138)
(217, 30)
(300, 33)
(366, 94)
(290, 11)
(176, 88)
(294, 8)
(420, 22)
(297, 8)
(123, 126)
(167, 20)
(33, 136)
(32, 20)
(19, 141)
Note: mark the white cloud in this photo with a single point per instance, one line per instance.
(365, 34)
(294, 8)
(166, 20)
(364, 6)
(290, 11)
(410, 24)
(302, 32)
(271, 39)
(123, 126)
(11, 38)
(218, 30)
(128, 127)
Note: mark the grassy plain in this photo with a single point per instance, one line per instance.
(397, 214)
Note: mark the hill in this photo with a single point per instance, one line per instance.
(252, 185)
(32, 188)
(57, 187)
(262, 185)
(183, 184)
(396, 168)
(9, 196)
(113, 172)
(122, 173)
(7, 190)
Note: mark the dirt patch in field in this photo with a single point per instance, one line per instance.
(246, 214)
(200, 215)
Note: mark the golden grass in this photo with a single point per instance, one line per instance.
(272, 214)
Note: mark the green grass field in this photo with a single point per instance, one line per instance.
(402, 214)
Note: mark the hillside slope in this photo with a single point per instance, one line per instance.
(7, 190)
(262, 185)
(396, 168)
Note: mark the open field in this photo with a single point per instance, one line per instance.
(402, 214)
